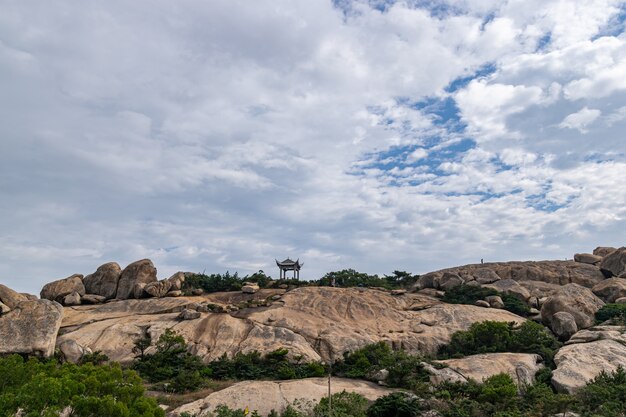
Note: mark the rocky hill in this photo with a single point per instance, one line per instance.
(108, 310)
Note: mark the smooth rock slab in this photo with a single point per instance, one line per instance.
(265, 396)
(31, 328)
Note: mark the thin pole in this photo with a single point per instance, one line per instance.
(330, 401)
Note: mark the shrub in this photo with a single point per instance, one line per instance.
(613, 312)
(493, 336)
(397, 404)
(468, 294)
(351, 278)
(344, 404)
(605, 395)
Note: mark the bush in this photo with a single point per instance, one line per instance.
(613, 312)
(493, 336)
(344, 404)
(351, 278)
(213, 282)
(46, 388)
(605, 395)
(468, 294)
(397, 404)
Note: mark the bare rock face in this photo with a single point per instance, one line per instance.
(448, 281)
(265, 396)
(72, 299)
(579, 301)
(188, 314)
(158, 288)
(9, 297)
(104, 281)
(603, 251)
(72, 352)
(31, 328)
(139, 272)
(511, 287)
(314, 322)
(587, 258)
(564, 325)
(615, 262)
(92, 299)
(250, 288)
(495, 301)
(177, 281)
(4, 308)
(57, 290)
(610, 289)
(588, 353)
(522, 367)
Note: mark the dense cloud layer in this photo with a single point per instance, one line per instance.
(377, 135)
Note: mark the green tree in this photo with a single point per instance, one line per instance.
(344, 404)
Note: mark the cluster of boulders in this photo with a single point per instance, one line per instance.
(110, 282)
(564, 295)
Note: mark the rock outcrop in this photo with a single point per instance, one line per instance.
(603, 251)
(586, 354)
(10, 298)
(139, 272)
(579, 301)
(31, 328)
(158, 288)
(104, 281)
(315, 322)
(587, 258)
(610, 289)
(615, 262)
(57, 290)
(265, 396)
(564, 325)
(522, 367)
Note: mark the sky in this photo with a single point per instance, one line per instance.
(376, 135)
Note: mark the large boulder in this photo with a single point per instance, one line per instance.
(139, 272)
(610, 289)
(577, 300)
(522, 367)
(449, 281)
(177, 281)
(31, 328)
(72, 352)
(587, 258)
(57, 290)
(104, 281)
(579, 363)
(158, 288)
(511, 287)
(265, 396)
(564, 325)
(603, 251)
(615, 262)
(9, 297)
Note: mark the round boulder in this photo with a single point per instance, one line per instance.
(9, 297)
(587, 258)
(495, 301)
(603, 251)
(72, 299)
(104, 281)
(610, 289)
(57, 290)
(615, 262)
(575, 299)
(158, 289)
(564, 325)
(139, 272)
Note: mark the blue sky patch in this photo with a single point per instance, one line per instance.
(462, 82)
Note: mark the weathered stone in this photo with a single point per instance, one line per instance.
(138, 290)
(485, 276)
(139, 272)
(509, 286)
(579, 301)
(4, 308)
(188, 314)
(381, 375)
(250, 288)
(29, 297)
(265, 396)
(57, 290)
(9, 297)
(482, 303)
(522, 367)
(621, 300)
(603, 251)
(495, 301)
(31, 328)
(72, 299)
(615, 262)
(197, 291)
(587, 258)
(533, 311)
(177, 281)
(72, 351)
(533, 302)
(564, 325)
(104, 281)
(448, 281)
(578, 364)
(398, 292)
(176, 293)
(93, 299)
(610, 289)
(431, 292)
(158, 288)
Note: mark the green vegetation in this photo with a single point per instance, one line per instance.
(494, 336)
(614, 312)
(46, 388)
(397, 404)
(344, 404)
(351, 278)
(605, 395)
(405, 371)
(468, 294)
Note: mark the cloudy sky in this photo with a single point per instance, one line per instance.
(376, 135)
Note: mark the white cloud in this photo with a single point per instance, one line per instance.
(580, 120)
